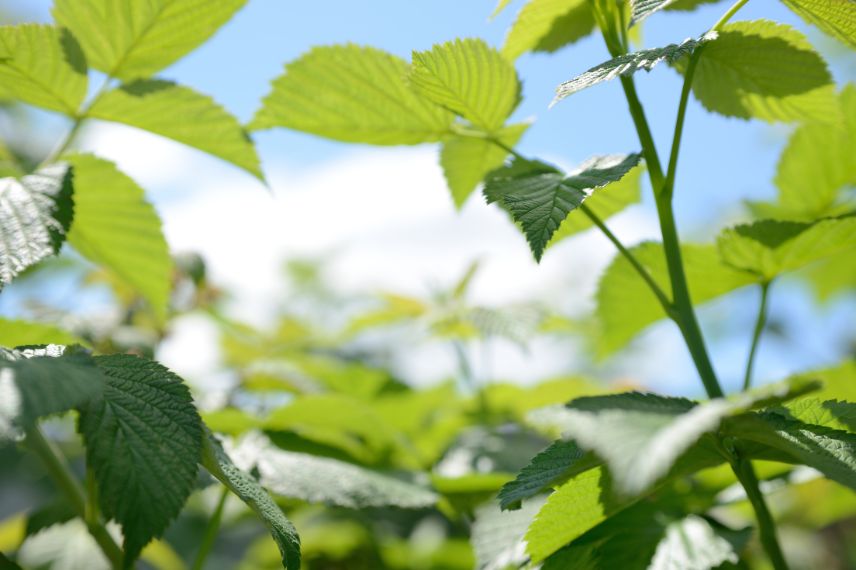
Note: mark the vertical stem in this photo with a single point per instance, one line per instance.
(69, 485)
(756, 335)
(211, 531)
(766, 526)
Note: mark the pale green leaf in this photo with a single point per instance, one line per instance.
(629, 64)
(130, 39)
(605, 204)
(215, 460)
(16, 332)
(328, 481)
(143, 442)
(829, 413)
(769, 248)
(44, 66)
(470, 78)
(467, 160)
(575, 507)
(38, 382)
(625, 304)
(118, 229)
(500, 6)
(353, 94)
(839, 382)
(547, 25)
(764, 70)
(554, 465)
(835, 17)
(830, 451)
(539, 197)
(181, 114)
(833, 276)
(641, 9)
(693, 543)
(641, 436)
(497, 536)
(35, 213)
(8, 161)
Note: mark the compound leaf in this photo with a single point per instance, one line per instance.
(629, 64)
(118, 229)
(547, 25)
(625, 304)
(835, 17)
(182, 114)
(539, 196)
(143, 442)
(35, 213)
(470, 78)
(218, 463)
(41, 381)
(353, 94)
(764, 70)
(136, 39)
(769, 248)
(467, 160)
(43, 66)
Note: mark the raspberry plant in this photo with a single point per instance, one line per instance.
(636, 480)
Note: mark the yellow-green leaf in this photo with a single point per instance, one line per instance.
(835, 17)
(547, 25)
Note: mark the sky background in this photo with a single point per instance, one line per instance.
(385, 220)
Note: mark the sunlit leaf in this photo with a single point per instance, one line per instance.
(835, 17)
(547, 25)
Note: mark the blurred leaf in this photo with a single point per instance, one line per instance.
(836, 18)
(539, 196)
(547, 25)
(764, 70)
(14, 332)
(353, 94)
(469, 78)
(43, 66)
(769, 248)
(467, 160)
(625, 304)
(182, 114)
(497, 537)
(215, 460)
(35, 213)
(628, 64)
(118, 229)
(135, 39)
(143, 442)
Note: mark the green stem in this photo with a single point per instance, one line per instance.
(211, 531)
(70, 487)
(756, 335)
(728, 15)
(655, 288)
(766, 526)
(78, 119)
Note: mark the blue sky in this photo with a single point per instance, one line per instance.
(722, 161)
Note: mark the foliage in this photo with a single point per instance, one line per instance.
(346, 464)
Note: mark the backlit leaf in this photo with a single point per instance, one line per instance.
(15, 332)
(547, 25)
(497, 536)
(835, 17)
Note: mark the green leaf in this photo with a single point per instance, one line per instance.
(764, 70)
(497, 536)
(470, 78)
(769, 248)
(557, 463)
(323, 480)
(575, 507)
(605, 204)
(136, 39)
(830, 451)
(467, 160)
(629, 64)
(500, 6)
(835, 17)
(44, 66)
(833, 276)
(641, 9)
(182, 114)
(41, 381)
(215, 460)
(352, 94)
(539, 197)
(839, 382)
(143, 442)
(35, 213)
(641, 436)
(15, 332)
(118, 229)
(625, 304)
(830, 413)
(547, 25)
